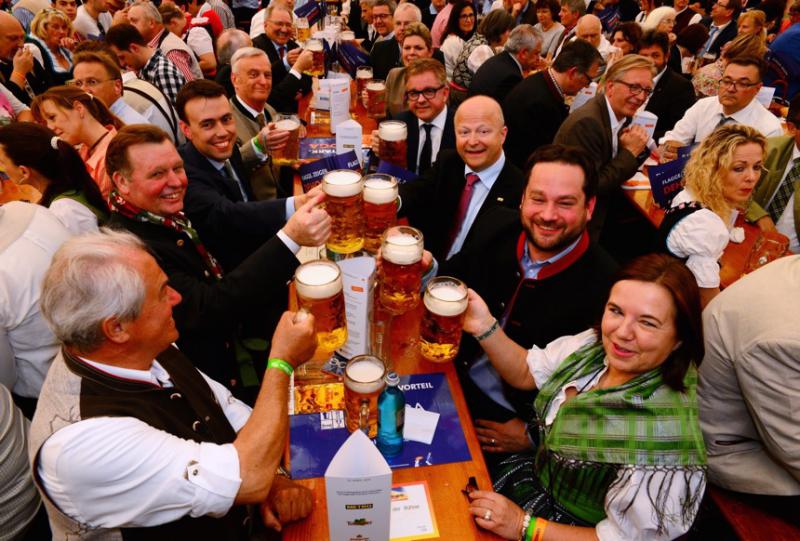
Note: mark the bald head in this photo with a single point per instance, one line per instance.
(11, 36)
(480, 132)
(590, 29)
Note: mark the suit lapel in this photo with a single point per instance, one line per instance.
(601, 109)
(412, 124)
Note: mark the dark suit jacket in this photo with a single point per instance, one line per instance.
(211, 311)
(412, 148)
(223, 77)
(496, 77)
(590, 129)
(727, 34)
(672, 96)
(534, 110)
(231, 228)
(284, 85)
(385, 55)
(37, 79)
(431, 203)
(529, 15)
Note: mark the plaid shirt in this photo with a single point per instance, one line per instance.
(162, 73)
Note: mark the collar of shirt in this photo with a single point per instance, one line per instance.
(658, 77)
(439, 121)
(153, 43)
(719, 28)
(390, 35)
(489, 175)
(555, 83)
(532, 268)
(155, 376)
(615, 124)
(247, 108)
(219, 166)
(152, 61)
(741, 116)
(118, 106)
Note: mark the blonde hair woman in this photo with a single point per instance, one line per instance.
(718, 182)
(52, 33)
(416, 44)
(753, 22)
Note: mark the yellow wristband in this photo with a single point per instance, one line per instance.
(281, 365)
(538, 531)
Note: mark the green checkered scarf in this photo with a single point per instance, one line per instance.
(640, 425)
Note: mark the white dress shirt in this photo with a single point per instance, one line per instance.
(703, 117)
(75, 216)
(86, 25)
(112, 472)
(616, 126)
(629, 516)
(436, 135)
(479, 193)
(701, 237)
(27, 346)
(786, 223)
(126, 113)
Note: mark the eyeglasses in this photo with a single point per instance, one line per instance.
(635, 89)
(280, 25)
(736, 85)
(466, 16)
(87, 83)
(429, 93)
(380, 15)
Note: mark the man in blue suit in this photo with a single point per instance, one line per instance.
(219, 201)
(429, 120)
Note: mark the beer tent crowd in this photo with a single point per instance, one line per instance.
(149, 228)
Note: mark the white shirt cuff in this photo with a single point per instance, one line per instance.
(217, 472)
(295, 73)
(289, 207)
(292, 245)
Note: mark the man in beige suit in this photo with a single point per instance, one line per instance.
(749, 391)
(251, 75)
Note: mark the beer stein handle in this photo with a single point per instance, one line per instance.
(363, 417)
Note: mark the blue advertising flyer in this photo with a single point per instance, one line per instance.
(315, 437)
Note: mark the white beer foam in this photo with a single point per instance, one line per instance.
(401, 249)
(379, 191)
(287, 124)
(314, 45)
(364, 74)
(446, 300)
(318, 281)
(366, 376)
(342, 183)
(376, 86)
(347, 35)
(392, 130)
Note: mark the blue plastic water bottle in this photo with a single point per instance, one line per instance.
(391, 417)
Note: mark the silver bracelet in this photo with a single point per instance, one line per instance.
(490, 332)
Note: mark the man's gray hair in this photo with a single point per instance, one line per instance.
(408, 6)
(246, 52)
(90, 280)
(575, 6)
(276, 6)
(150, 10)
(524, 37)
(229, 41)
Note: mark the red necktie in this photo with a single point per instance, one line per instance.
(463, 205)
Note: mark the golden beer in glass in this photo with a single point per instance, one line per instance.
(345, 205)
(393, 136)
(376, 98)
(303, 29)
(363, 76)
(363, 383)
(445, 303)
(291, 152)
(319, 290)
(401, 254)
(318, 57)
(380, 208)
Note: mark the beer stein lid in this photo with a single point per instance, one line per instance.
(392, 379)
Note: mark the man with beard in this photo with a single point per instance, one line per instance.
(545, 279)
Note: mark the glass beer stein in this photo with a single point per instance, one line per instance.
(363, 383)
(319, 290)
(380, 208)
(345, 206)
(445, 303)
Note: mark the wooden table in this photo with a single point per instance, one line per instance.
(735, 258)
(445, 481)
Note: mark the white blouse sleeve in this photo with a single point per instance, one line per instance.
(542, 362)
(477, 57)
(76, 217)
(451, 48)
(16, 105)
(639, 522)
(701, 237)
